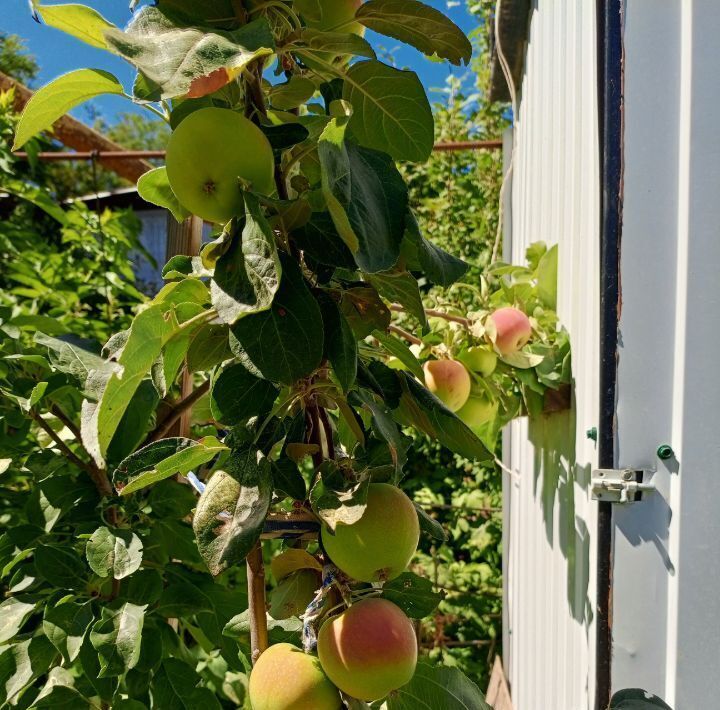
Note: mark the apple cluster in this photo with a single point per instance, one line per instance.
(367, 650)
(509, 330)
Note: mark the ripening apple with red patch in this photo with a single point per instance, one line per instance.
(369, 650)
(449, 381)
(512, 329)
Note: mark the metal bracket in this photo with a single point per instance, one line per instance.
(625, 485)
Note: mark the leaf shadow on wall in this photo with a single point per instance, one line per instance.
(557, 477)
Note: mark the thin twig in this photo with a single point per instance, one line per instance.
(456, 644)
(435, 313)
(99, 477)
(404, 334)
(166, 423)
(57, 412)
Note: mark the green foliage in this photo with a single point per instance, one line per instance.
(14, 60)
(142, 584)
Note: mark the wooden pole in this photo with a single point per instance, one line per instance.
(256, 602)
(183, 238)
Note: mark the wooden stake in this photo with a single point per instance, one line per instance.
(256, 602)
(183, 238)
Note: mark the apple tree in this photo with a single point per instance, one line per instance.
(286, 134)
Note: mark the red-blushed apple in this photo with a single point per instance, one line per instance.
(513, 329)
(479, 359)
(449, 381)
(286, 678)
(369, 650)
(380, 545)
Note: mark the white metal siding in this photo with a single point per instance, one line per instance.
(667, 559)
(549, 519)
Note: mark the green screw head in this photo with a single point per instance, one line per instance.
(665, 452)
(592, 433)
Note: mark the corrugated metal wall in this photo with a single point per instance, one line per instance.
(549, 519)
(667, 559)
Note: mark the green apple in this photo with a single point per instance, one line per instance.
(479, 359)
(331, 15)
(208, 155)
(478, 410)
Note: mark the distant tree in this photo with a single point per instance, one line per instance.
(14, 59)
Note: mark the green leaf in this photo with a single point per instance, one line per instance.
(419, 25)
(71, 355)
(208, 347)
(65, 625)
(237, 394)
(36, 196)
(116, 637)
(438, 687)
(63, 696)
(144, 587)
(367, 198)
(247, 275)
(386, 428)
(135, 422)
(413, 594)
(423, 410)
(280, 631)
(60, 566)
(177, 685)
(401, 287)
(341, 347)
(162, 459)
(401, 351)
(325, 46)
(292, 93)
(430, 526)
(547, 272)
(13, 614)
(285, 343)
(154, 187)
(288, 479)
(364, 310)
(439, 266)
(242, 492)
(22, 663)
(58, 97)
(115, 553)
(80, 21)
(99, 421)
(338, 506)
(172, 57)
(320, 240)
(522, 360)
(636, 699)
(391, 112)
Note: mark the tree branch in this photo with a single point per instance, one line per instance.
(436, 314)
(404, 334)
(57, 412)
(99, 477)
(166, 423)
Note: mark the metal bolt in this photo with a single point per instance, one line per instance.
(592, 433)
(665, 452)
(628, 475)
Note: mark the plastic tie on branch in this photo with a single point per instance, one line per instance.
(315, 608)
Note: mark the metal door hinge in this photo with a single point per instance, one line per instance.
(621, 485)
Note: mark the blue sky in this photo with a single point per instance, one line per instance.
(58, 53)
